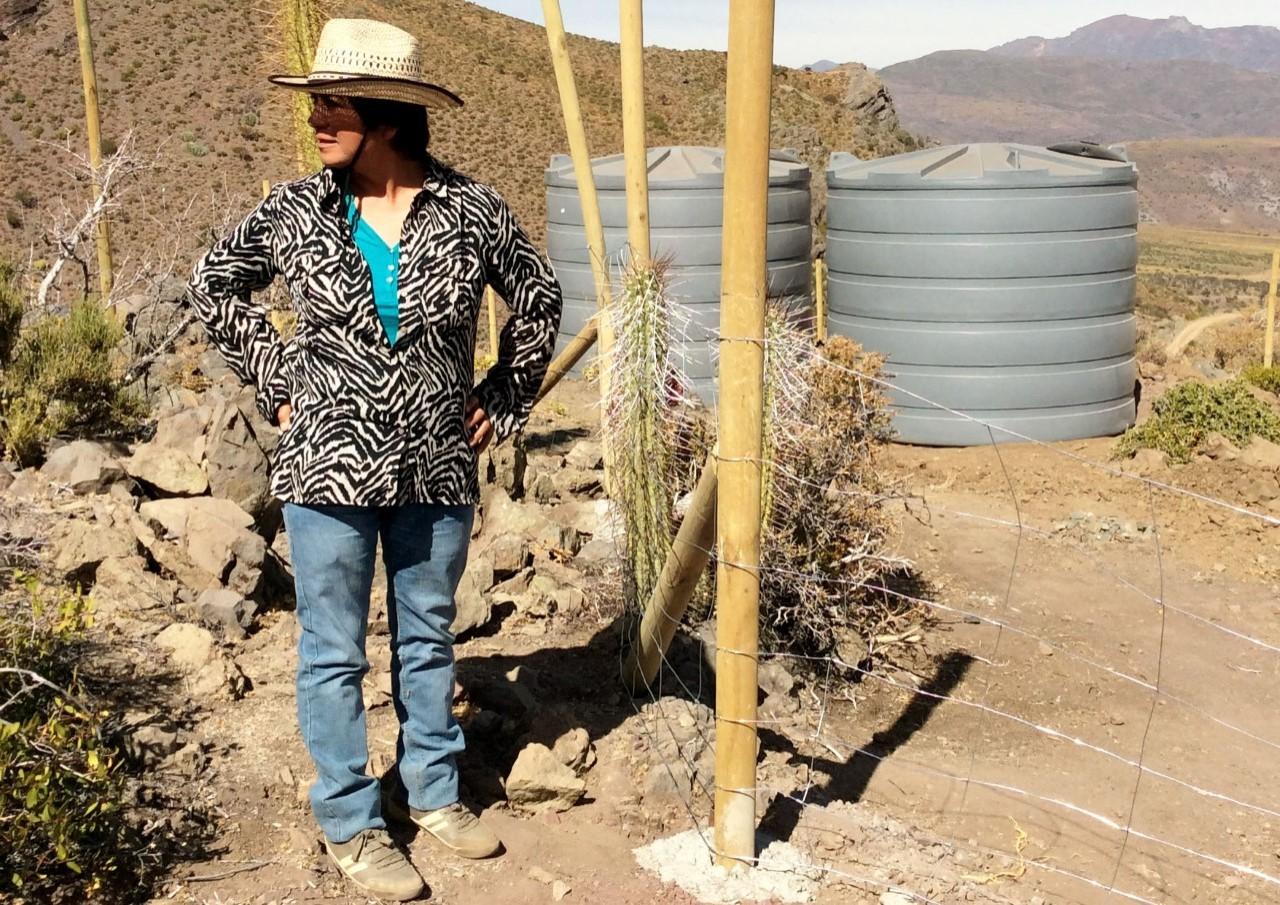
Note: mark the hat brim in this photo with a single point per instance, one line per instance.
(386, 89)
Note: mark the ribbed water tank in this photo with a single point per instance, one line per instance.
(998, 280)
(686, 217)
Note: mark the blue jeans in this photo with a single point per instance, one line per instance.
(424, 549)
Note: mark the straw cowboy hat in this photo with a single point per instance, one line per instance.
(366, 58)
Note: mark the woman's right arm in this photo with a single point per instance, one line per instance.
(240, 263)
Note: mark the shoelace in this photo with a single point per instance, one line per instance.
(376, 849)
(459, 816)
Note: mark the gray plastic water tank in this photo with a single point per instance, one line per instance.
(998, 280)
(686, 214)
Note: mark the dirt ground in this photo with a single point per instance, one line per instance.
(1077, 583)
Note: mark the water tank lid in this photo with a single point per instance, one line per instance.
(676, 168)
(978, 166)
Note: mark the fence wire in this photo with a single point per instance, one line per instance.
(670, 690)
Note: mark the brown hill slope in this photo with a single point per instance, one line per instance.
(972, 96)
(188, 77)
(1211, 183)
(1135, 39)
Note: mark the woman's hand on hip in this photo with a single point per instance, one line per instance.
(284, 415)
(479, 427)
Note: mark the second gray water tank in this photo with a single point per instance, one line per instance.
(998, 280)
(686, 217)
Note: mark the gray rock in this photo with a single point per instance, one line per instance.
(226, 608)
(576, 481)
(586, 454)
(503, 515)
(515, 586)
(184, 431)
(569, 601)
(544, 488)
(236, 461)
(84, 466)
(539, 782)
(172, 472)
(595, 552)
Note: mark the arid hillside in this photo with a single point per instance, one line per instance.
(1211, 183)
(188, 78)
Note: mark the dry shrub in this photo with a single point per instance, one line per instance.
(826, 534)
(1237, 346)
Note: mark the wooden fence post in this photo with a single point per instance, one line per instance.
(1269, 344)
(820, 299)
(577, 137)
(742, 330)
(634, 145)
(93, 128)
(686, 561)
(491, 302)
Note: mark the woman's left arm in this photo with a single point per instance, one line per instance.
(524, 279)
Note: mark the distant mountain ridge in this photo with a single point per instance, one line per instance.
(1136, 40)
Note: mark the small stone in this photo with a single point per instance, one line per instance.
(1044, 649)
(190, 647)
(573, 749)
(560, 889)
(227, 609)
(541, 876)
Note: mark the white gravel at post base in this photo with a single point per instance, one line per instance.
(783, 874)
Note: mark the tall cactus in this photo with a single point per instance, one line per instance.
(297, 27)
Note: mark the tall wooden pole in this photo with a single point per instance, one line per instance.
(738, 512)
(1269, 344)
(94, 129)
(577, 137)
(686, 561)
(491, 302)
(820, 299)
(634, 144)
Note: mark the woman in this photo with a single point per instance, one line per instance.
(386, 253)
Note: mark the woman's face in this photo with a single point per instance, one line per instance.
(338, 129)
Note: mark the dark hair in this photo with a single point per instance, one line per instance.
(413, 133)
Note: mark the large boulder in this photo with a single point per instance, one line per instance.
(171, 472)
(84, 466)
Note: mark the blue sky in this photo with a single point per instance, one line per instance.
(880, 32)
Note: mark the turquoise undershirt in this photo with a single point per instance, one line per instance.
(384, 264)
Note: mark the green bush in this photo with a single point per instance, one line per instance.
(63, 377)
(63, 832)
(1183, 419)
(1263, 377)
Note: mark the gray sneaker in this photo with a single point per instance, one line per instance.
(371, 861)
(453, 826)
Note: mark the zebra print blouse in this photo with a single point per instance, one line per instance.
(377, 424)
